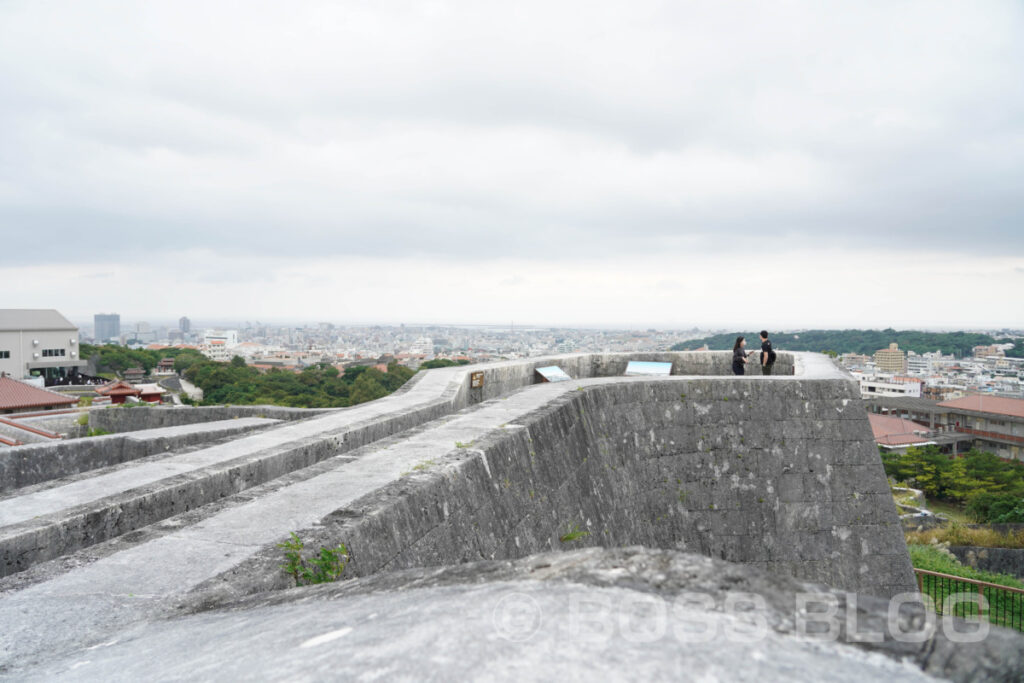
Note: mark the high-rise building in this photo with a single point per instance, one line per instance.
(144, 332)
(184, 324)
(891, 359)
(106, 326)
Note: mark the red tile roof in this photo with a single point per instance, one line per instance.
(118, 388)
(16, 395)
(896, 431)
(1013, 407)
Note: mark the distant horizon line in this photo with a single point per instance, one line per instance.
(717, 328)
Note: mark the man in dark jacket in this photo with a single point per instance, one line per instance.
(767, 354)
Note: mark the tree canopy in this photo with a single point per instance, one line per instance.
(860, 341)
(317, 386)
(113, 358)
(991, 488)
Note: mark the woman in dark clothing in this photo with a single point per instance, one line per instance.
(739, 356)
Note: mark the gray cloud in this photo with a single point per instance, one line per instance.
(453, 129)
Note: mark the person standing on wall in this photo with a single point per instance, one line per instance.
(739, 356)
(767, 354)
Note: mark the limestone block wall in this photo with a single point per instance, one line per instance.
(137, 418)
(499, 380)
(40, 462)
(502, 378)
(783, 475)
(999, 560)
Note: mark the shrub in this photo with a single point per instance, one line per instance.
(1005, 508)
(958, 534)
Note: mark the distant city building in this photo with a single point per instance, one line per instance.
(215, 350)
(106, 327)
(989, 423)
(184, 324)
(918, 365)
(891, 360)
(890, 386)
(228, 338)
(38, 343)
(897, 434)
(942, 392)
(144, 333)
(848, 360)
(986, 351)
(996, 422)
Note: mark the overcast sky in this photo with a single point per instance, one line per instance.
(778, 164)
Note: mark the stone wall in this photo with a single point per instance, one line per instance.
(999, 560)
(502, 378)
(36, 463)
(499, 379)
(781, 475)
(137, 418)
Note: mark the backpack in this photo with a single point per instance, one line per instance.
(771, 353)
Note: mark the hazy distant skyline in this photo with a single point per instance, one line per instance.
(718, 164)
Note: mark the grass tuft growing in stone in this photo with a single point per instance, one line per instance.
(574, 534)
(324, 567)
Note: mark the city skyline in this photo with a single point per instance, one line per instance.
(170, 322)
(656, 165)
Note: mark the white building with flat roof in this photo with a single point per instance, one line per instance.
(888, 385)
(38, 342)
(228, 338)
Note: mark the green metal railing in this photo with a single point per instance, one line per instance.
(1002, 605)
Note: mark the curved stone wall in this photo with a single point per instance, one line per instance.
(780, 473)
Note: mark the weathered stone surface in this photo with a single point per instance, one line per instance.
(118, 419)
(628, 613)
(778, 473)
(1000, 560)
(33, 464)
(614, 461)
(69, 521)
